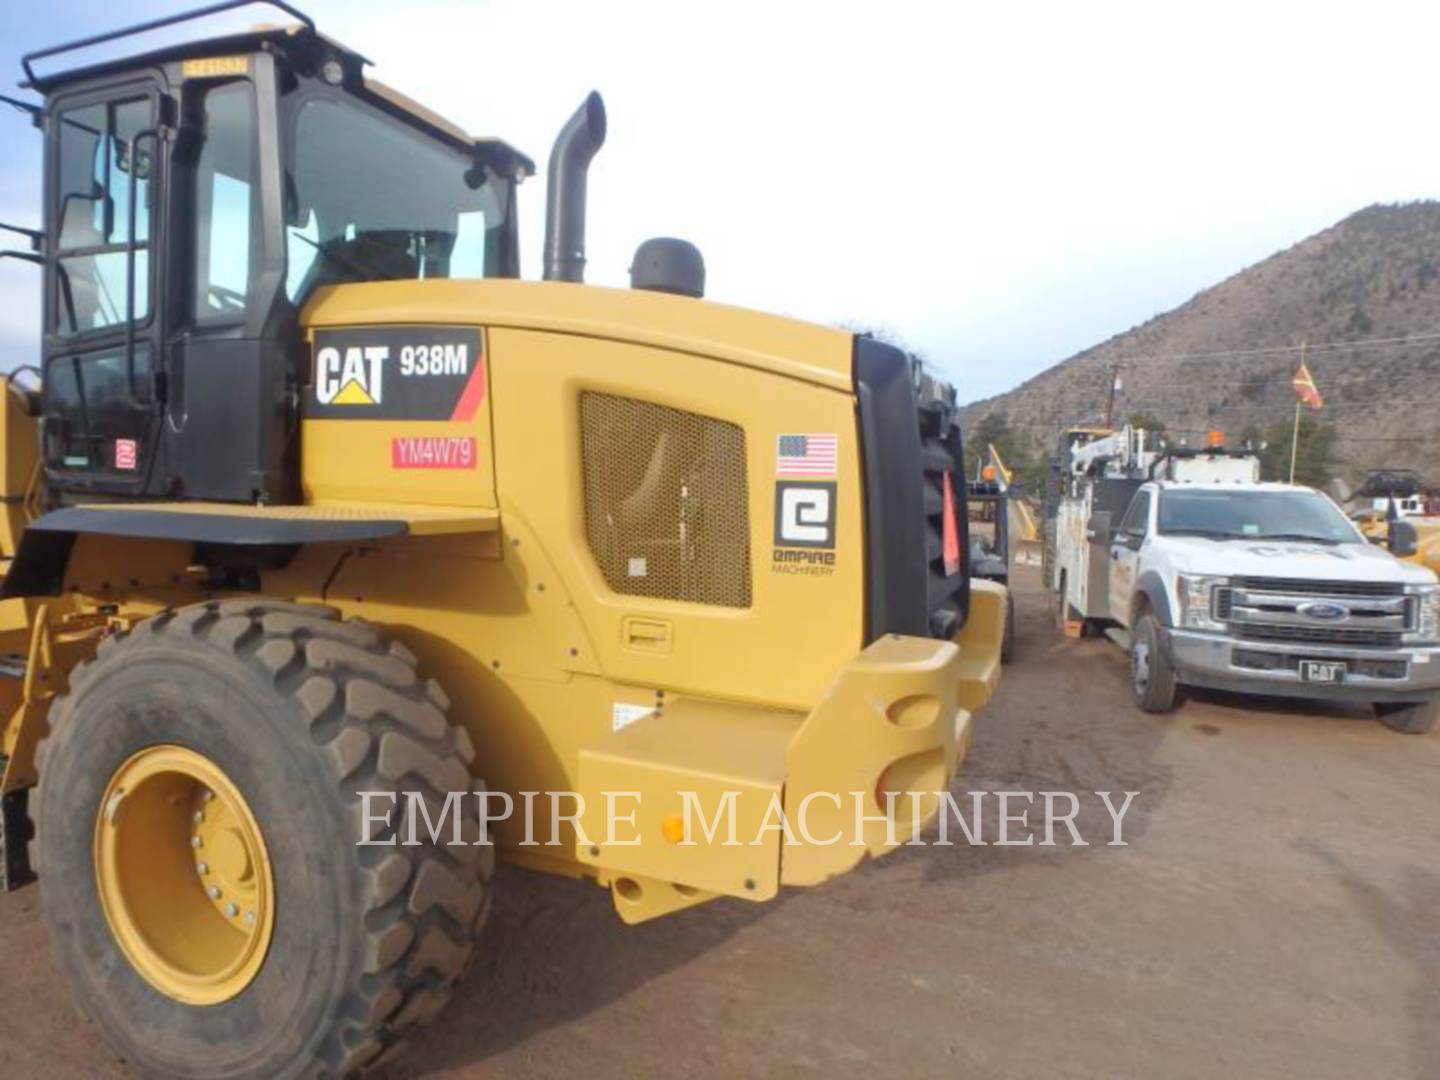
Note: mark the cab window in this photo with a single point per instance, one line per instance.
(101, 152)
(227, 229)
(372, 200)
(90, 423)
(1136, 522)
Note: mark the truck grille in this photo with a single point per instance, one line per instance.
(1375, 614)
(1306, 587)
(1320, 635)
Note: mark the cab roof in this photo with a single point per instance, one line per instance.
(300, 40)
(1227, 485)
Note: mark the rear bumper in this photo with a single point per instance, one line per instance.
(1256, 667)
(737, 801)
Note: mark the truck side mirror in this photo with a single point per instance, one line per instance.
(1403, 541)
(1097, 529)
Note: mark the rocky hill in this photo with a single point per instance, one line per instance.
(1224, 359)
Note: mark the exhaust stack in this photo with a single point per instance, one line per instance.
(582, 135)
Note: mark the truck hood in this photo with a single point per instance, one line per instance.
(1290, 558)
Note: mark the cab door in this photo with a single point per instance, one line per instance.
(233, 345)
(101, 346)
(1125, 547)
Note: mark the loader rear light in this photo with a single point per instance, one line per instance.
(950, 531)
(672, 827)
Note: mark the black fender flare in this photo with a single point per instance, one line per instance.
(1151, 586)
(44, 552)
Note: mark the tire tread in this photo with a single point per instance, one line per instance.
(376, 723)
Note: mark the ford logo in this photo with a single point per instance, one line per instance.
(1322, 610)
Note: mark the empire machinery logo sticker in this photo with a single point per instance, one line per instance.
(805, 494)
(403, 373)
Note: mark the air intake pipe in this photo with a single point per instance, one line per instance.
(582, 135)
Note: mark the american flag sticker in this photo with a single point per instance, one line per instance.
(806, 455)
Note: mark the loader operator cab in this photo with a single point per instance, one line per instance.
(195, 198)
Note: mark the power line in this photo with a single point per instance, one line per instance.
(1276, 351)
(1143, 379)
(1056, 427)
(1262, 405)
(1403, 341)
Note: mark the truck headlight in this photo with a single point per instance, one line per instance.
(1427, 614)
(1195, 593)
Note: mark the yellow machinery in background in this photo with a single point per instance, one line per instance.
(1024, 530)
(1375, 524)
(334, 550)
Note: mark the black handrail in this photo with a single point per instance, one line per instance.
(153, 134)
(159, 24)
(35, 236)
(35, 111)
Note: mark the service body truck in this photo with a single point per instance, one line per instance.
(1213, 578)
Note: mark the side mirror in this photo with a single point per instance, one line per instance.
(1403, 540)
(1097, 529)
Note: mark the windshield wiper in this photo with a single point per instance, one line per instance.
(334, 258)
(1309, 538)
(1208, 534)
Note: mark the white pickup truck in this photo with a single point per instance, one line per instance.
(1219, 581)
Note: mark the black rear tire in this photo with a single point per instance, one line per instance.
(1411, 718)
(301, 711)
(1152, 677)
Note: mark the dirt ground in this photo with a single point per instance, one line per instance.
(1276, 913)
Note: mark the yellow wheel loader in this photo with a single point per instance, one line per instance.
(340, 560)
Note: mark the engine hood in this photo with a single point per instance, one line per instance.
(790, 347)
(1289, 558)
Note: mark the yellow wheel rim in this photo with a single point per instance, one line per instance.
(183, 876)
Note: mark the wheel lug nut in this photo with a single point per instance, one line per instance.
(250, 917)
(206, 795)
(213, 892)
(202, 869)
(195, 841)
(199, 817)
(232, 910)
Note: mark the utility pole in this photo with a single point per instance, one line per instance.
(1110, 400)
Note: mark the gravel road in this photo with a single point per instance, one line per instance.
(1276, 912)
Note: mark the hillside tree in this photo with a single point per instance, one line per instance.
(1314, 456)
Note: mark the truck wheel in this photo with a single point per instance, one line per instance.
(200, 847)
(1409, 718)
(1007, 642)
(1152, 678)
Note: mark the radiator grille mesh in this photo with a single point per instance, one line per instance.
(666, 501)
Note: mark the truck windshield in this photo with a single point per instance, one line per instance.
(373, 200)
(1255, 514)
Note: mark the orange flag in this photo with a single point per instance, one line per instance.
(1305, 387)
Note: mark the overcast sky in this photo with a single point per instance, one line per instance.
(1000, 185)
